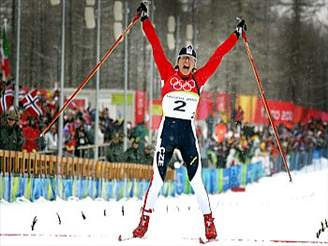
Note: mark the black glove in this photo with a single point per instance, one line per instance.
(241, 27)
(142, 11)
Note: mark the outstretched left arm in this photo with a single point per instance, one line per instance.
(203, 74)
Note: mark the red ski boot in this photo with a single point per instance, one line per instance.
(142, 228)
(210, 231)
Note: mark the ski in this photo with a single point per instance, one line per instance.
(242, 241)
(202, 240)
(205, 240)
(127, 237)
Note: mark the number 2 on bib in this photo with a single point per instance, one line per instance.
(181, 105)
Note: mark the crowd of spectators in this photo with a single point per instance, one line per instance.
(23, 131)
(223, 142)
(230, 143)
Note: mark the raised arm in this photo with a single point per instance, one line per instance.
(203, 74)
(163, 65)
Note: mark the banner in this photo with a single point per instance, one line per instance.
(156, 113)
(223, 102)
(324, 116)
(140, 106)
(220, 180)
(248, 105)
(118, 98)
(235, 176)
(311, 114)
(206, 176)
(4, 50)
(282, 112)
(205, 106)
(286, 113)
(298, 114)
(225, 179)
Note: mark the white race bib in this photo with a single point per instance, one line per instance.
(180, 104)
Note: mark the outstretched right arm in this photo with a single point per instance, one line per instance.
(163, 65)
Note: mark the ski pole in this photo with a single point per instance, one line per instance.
(264, 101)
(93, 71)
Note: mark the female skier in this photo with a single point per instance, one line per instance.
(181, 88)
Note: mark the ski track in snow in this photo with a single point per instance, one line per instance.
(271, 209)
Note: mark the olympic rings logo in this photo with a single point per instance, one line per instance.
(186, 85)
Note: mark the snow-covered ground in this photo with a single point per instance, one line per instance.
(271, 209)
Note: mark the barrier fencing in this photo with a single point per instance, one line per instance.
(33, 175)
(298, 159)
(39, 165)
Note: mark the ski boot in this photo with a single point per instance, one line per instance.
(142, 228)
(210, 231)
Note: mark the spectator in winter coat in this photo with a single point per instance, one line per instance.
(11, 137)
(51, 139)
(148, 155)
(238, 117)
(115, 152)
(140, 131)
(31, 134)
(82, 138)
(181, 88)
(133, 154)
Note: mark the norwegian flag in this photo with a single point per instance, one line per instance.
(31, 104)
(7, 100)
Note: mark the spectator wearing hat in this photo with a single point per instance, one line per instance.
(11, 137)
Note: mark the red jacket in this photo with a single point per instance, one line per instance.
(31, 135)
(174, 81)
